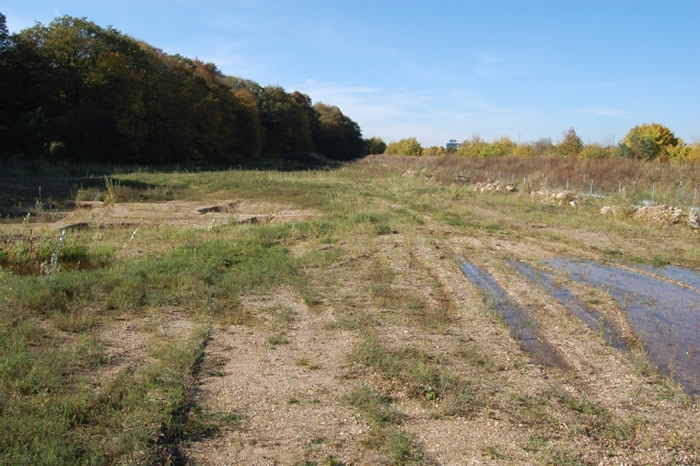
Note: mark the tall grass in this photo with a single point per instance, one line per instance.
(673, 183)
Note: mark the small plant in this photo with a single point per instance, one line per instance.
(493, 453)
(112, 187)
(53, 265)
(278, 339)
(383, 229)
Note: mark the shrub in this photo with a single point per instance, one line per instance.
(543, 146)
(409, 146)
(471, 147)
(434, 150)
(523, 150)
(594, 151)
(649, 141)
(694, 154)
(499, 148)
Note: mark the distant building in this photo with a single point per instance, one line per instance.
(452, 145)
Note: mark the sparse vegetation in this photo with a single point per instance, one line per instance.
(353, 327)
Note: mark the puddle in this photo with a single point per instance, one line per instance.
(522, 325)
(665, 316)
(598, 322)
(680, 274)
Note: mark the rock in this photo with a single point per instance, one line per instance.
(608, 209)
(494, 186)
(660, 214)
(694, 219)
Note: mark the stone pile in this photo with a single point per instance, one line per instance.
(660, 214)
(560, 198)
(495, 186)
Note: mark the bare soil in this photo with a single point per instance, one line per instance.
(179, 213)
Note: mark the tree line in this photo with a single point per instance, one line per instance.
(643, 142)
(72, 90)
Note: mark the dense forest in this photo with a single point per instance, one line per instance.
(74, 91)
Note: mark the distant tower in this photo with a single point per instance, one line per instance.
(452, 145)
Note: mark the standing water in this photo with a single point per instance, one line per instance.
(522, 325)
(665, 316)
(600, 323)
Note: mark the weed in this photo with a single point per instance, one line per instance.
(305, 363)
(383, 229)
(493, 453)
(277, 339)
(420, 372)
(377, 407)
(113, 188)
(75, 321)
(536, 443)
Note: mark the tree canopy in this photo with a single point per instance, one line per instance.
(72, 90)
(649, 141)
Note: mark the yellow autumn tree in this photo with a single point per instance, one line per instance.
(649, 141)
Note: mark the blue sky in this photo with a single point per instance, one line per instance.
(439, 70)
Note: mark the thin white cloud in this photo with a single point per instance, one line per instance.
(600, 111)
(433, 117)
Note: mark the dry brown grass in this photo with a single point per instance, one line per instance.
(675, 182)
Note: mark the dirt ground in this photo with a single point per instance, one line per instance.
(387, 354)
(290, 396)
(189, 214)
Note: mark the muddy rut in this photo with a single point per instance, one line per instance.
(278, 388)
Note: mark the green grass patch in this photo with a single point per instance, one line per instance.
(49, 415)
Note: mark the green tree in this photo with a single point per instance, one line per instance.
(4, 34)
(287, 129)
(648, 141)
(374, 145)
(339, 137)
(249, 123)
(98, 94)
(571, 144)
(6, 84)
